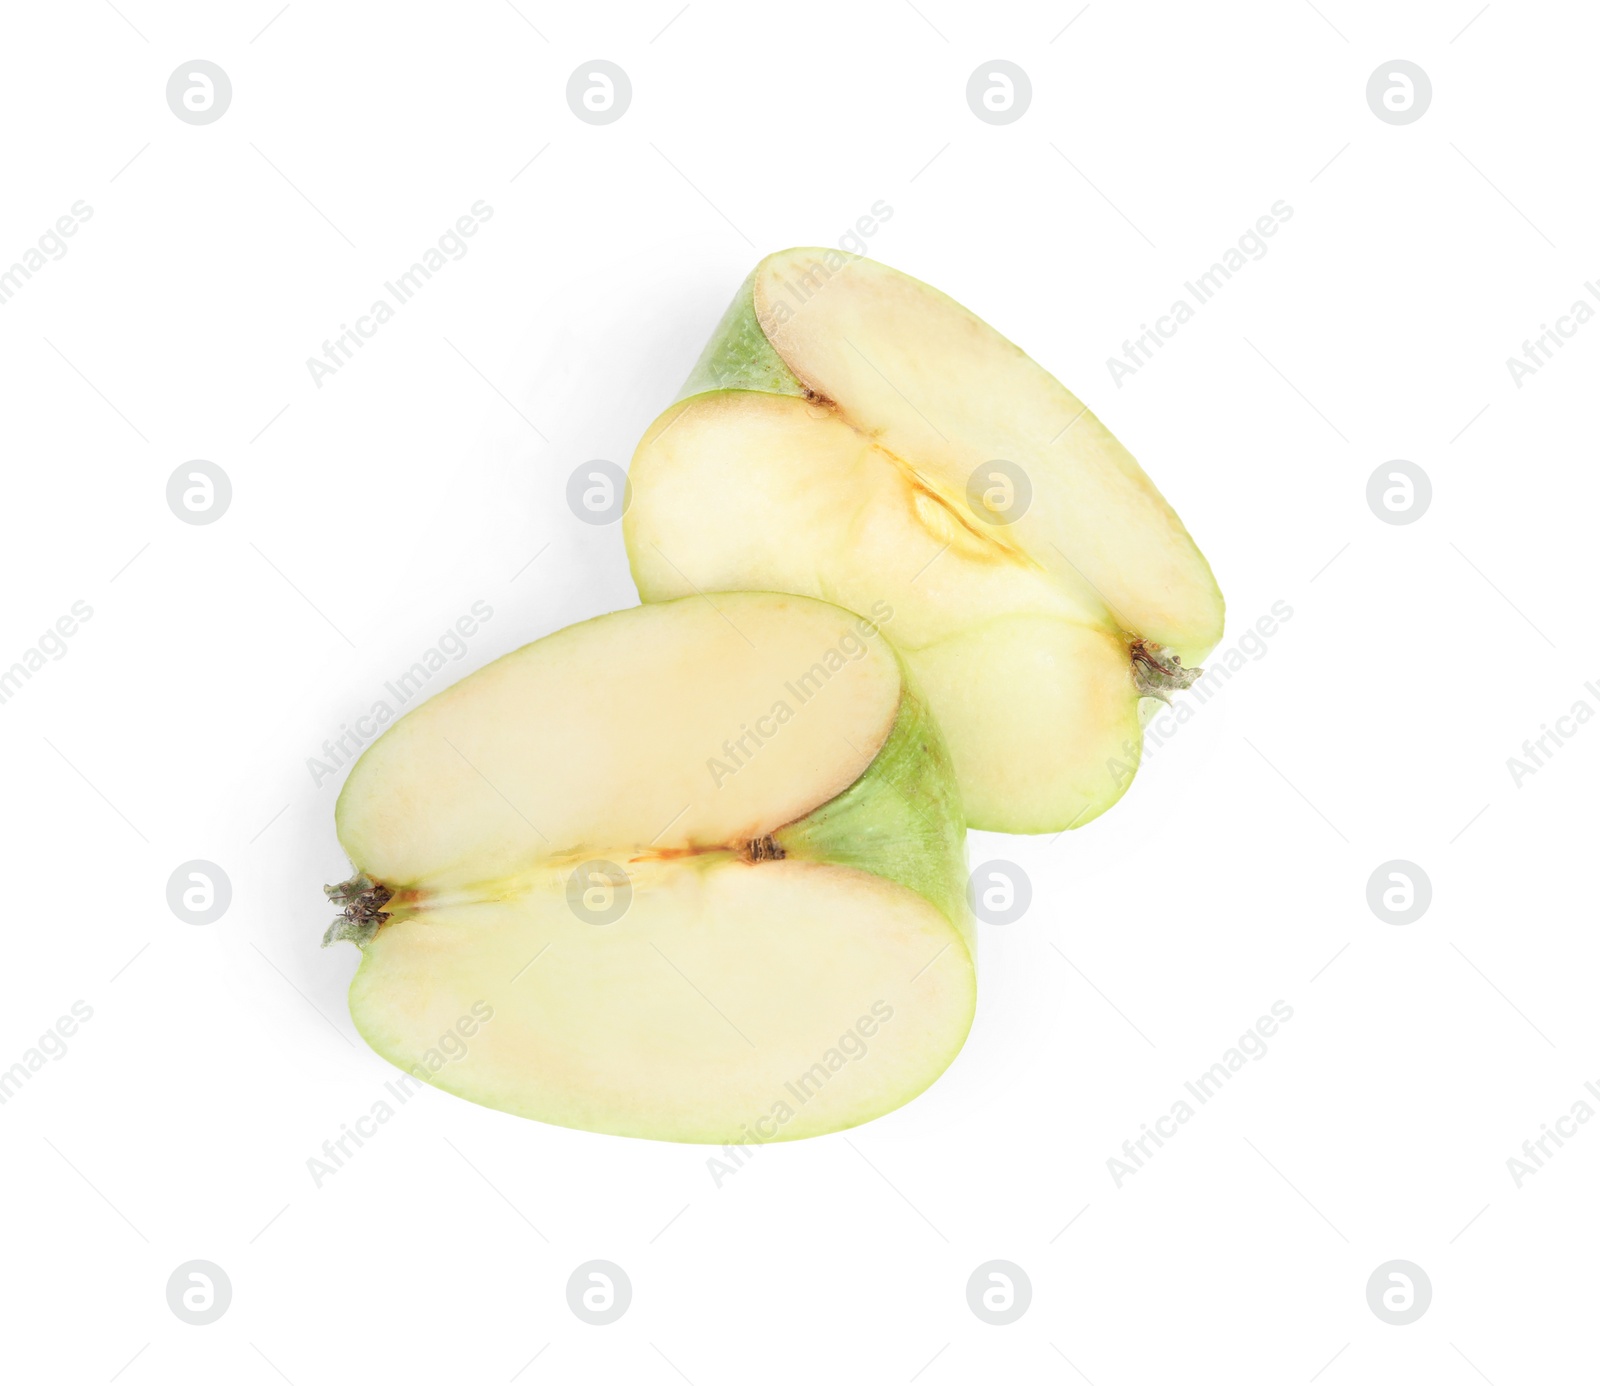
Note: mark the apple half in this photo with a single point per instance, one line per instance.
(692, 871)
(852, 434)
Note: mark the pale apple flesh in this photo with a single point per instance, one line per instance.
(828, 443)
(778, 815)
(1033, 701)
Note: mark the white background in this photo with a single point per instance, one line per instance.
(369, 513)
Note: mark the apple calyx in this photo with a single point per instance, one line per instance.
(363, 900)
(1158, 671)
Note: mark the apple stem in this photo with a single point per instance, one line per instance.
(363, 900)
(1158, 671)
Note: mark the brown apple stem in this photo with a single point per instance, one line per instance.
(363, 900)
(1158, 671)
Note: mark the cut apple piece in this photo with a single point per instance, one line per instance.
(692, 871)
(854, 435)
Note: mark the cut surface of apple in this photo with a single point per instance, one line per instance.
(699, 863)
(854, 435)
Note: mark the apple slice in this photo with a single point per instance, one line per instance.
(692, 871)
(854, 435)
